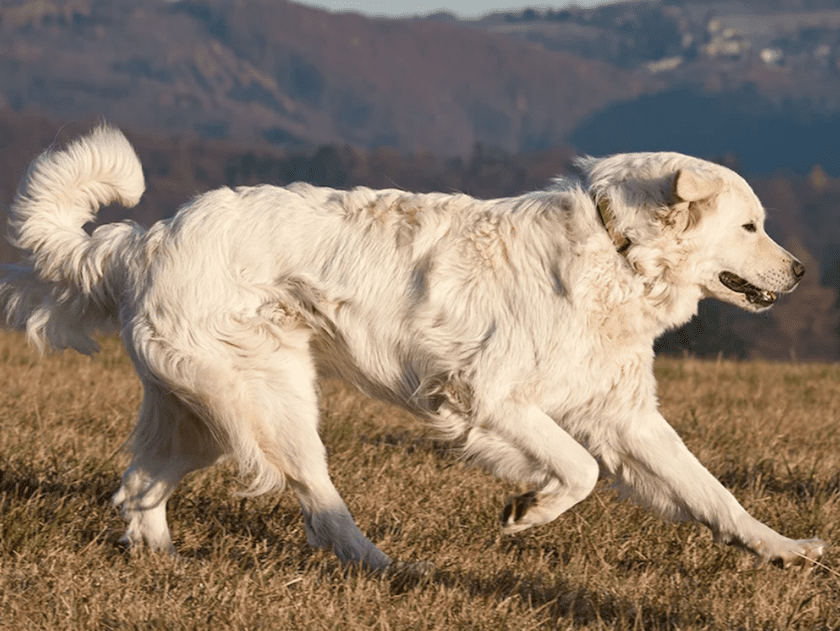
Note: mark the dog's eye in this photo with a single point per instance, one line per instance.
(749, 227)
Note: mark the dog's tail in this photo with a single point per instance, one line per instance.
(69, 284)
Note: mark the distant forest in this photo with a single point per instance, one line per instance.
(803, 215)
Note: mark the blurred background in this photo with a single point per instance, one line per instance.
(479, 98)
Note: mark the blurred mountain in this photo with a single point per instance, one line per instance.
(229, 92)
(269, 71)
(756, 78)
(759, 79)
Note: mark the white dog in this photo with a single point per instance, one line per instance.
(524, 325)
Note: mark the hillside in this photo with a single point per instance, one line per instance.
(214, 95)
(291, 75)
(758, 79)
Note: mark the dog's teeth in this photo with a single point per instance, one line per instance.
(763, 296)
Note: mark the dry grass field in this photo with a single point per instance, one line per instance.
(771, 432)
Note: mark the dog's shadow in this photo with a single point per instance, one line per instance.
(559, 600)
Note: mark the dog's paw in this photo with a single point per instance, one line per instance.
(514, 516)
(800, 553)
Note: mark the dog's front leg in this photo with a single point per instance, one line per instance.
(528, 446)
(655, 465)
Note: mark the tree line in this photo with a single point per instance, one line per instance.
(802, 215)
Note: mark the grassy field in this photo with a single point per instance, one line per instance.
(771, 432)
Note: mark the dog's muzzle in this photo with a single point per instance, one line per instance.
(753, 294)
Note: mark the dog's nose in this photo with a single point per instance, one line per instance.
(798, 270)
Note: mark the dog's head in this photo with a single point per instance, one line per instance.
(691, 223)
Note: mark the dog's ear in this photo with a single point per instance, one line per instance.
(691, 186)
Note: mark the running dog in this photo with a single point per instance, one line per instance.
(522, 325)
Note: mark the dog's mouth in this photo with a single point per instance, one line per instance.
(753, 294)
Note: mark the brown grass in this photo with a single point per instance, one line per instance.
(769, 431)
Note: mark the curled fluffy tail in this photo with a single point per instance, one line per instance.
(68, 287)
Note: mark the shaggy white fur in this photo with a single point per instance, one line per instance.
(524, 325)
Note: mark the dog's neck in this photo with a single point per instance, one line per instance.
(622, 243)
(665, 305)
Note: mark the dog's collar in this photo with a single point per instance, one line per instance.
(622, 243)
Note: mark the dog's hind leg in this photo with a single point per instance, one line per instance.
(329, 523)
(273, 397)
(260, 408)
(294, 446)
(169, 442)
(530, 447)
